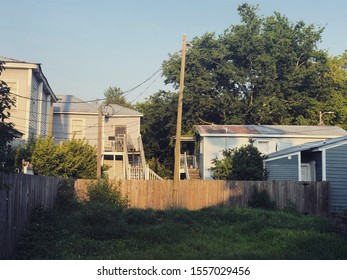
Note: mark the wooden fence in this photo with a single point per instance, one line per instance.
(307, 197)
(19, 195)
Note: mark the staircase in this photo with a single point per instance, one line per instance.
(194, 174)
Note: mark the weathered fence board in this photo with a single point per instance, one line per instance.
(307, 197)
(19, 195)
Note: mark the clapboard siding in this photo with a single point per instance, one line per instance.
(283, 168)
(336, 171)
(33, 118)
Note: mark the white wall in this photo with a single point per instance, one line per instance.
(214, 145)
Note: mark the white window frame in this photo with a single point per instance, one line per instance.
(267, 147)
(82, 128)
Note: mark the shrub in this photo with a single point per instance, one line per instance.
(104, 192)
(261, 199)
(244, 163)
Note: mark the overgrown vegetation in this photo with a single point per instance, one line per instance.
(73, 158)
(261, 199)
(95, 230)
(104, 192)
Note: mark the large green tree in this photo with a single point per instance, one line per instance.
(159, 126)
(266, 70)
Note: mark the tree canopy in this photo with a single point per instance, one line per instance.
(266, 70)
(115, 95)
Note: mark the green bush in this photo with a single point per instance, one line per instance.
(261, 199)
(104, 192)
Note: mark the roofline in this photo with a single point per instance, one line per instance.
(96, 113)
(283, 156)
(329, 146)
(33, 66)
(269, 135)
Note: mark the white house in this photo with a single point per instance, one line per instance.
(34, 96)
(122, 149)
(213, 139)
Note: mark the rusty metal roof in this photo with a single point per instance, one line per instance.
(206, 130)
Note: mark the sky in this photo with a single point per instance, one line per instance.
(84, 46)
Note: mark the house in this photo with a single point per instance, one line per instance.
(315, 161)
(213, 139)
(34, 97)
(122, 149)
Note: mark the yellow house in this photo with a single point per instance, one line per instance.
(34, 96)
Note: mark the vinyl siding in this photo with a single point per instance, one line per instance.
(336, 170)
(33, 117)
(283, 168)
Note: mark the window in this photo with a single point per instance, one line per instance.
(77, 128)
(13, 85)
(263, 146)
(308, 171)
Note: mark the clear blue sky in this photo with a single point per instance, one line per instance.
(86, 46)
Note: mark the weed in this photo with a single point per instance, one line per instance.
(261, 199)
(104, 192)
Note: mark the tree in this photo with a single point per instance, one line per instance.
(244, 163)
(70, 159)
(115, 95)
(265, 70)
(7, 130)
(158, 126)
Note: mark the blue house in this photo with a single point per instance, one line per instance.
(314, 161)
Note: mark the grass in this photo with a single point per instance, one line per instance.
(94, 231)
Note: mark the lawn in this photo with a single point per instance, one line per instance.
(94, 231)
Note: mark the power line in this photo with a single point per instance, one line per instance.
(93, 100)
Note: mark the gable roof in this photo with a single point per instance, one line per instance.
(72, 104)
(12, 60)
(311, 146)
(270, 130)
(37, 70)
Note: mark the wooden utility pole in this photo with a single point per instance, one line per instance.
(179, 127)
(50, 121)
(99, 146)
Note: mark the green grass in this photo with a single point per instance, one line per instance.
(93, 231)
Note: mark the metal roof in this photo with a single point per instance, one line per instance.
(270, 130)
(72, 104)
(308, 146)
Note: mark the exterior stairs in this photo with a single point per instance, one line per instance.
(194, 174)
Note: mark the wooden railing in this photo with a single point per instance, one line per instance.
(116, 145)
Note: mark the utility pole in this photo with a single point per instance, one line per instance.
(179, 126)
(321, 114)
(98, 157)
(50, 121)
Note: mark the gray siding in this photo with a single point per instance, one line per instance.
(283, 169)
(33, 117)
(336, 162)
